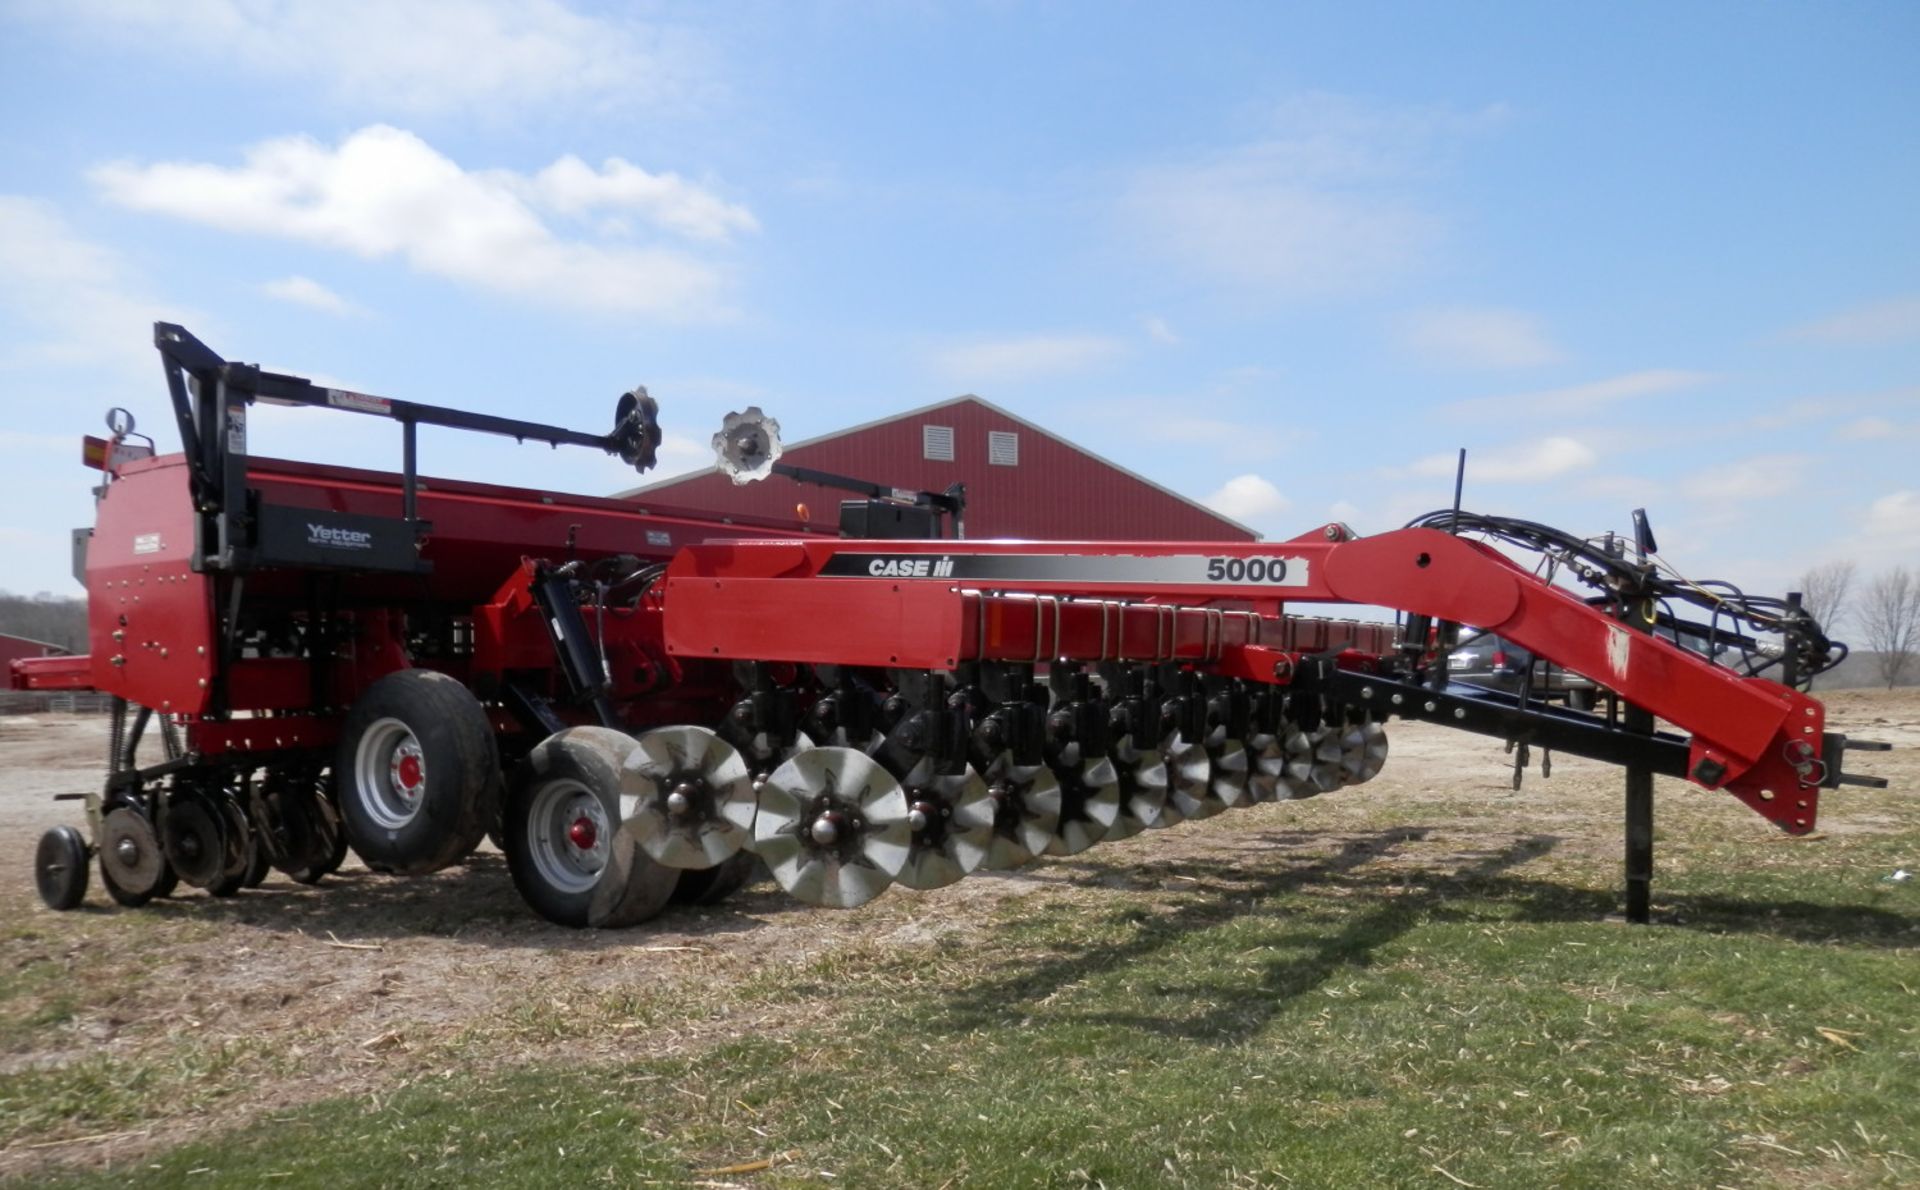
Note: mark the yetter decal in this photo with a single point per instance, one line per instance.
(338, 539)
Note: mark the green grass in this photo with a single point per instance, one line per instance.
(1378, 1013)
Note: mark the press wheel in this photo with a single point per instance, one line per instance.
(131, 864)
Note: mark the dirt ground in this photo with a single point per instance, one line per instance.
(367, 982)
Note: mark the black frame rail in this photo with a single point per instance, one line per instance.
(210, 396)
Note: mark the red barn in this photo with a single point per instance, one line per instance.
(1022, 481)
(12, 648)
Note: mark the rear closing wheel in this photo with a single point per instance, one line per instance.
(415, 773)
(60, 868)
(569, 857)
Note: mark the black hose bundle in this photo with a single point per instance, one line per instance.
(1735, 620)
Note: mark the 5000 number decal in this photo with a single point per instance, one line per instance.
(1246, 570)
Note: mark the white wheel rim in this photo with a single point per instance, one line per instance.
(568, 835)
(390, 773)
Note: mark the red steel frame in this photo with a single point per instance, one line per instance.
(909, 604)
(791, 600)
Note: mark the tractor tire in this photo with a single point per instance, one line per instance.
(413, 773)
(60, 868)
(568, 855)
(710, 886)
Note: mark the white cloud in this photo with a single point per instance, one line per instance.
(1027, 357)
(1876, 322)
(1227, 439)
(1522, 462)
(1326, 204)
(1632, 491)
(573, 188)
(1743, 481)
(1888, 534)
(1247, 498)
(305, 291)
(1581, 398)
(492, 57)
(385, 193)
(70, 300)
(1158, 330)
(1894, 521)
(1465, 337)
(1865, 429)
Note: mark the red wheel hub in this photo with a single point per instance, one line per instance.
(409, 771)
(583, 834)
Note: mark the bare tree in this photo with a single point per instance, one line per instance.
(1890, 622)
(1827, 591)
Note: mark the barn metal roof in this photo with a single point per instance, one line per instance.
(662, 485)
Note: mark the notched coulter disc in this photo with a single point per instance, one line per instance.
(950, 819)
(1363, 752)
(1232, 768)
(832, 826)
(1189, 781)
(1025, 799)
(1089, 801)
(687, 797)
(1142, 774)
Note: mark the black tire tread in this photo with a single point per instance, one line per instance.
(632, 888)
(432, 703)
(710, 886)
(64, 890)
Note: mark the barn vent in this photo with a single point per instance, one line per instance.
(1003, 448)
(936, 443)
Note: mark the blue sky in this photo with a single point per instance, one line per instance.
(1284, 259)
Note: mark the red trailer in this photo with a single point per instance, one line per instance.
(643, 705)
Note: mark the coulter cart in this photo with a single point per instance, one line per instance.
(643, 704)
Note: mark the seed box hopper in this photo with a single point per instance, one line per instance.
(643, 704)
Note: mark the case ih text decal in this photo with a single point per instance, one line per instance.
(1000, 569)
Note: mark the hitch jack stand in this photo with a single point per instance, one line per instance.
(1639, 615)
(1639, 828)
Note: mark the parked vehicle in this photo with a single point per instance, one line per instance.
(1495, 663)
